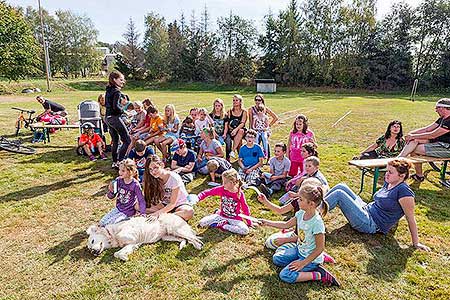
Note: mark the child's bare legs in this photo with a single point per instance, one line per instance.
(87, 149)
(164, 146)
(100, 148)
(150, 140)
(158, 141)
(185, 211)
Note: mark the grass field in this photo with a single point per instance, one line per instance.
(47, 200)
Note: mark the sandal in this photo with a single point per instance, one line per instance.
(418, 178)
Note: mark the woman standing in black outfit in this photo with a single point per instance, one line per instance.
(117, 128)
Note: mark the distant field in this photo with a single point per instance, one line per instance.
(48, 200)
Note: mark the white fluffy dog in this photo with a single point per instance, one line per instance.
(130, 234)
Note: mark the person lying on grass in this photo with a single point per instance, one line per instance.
(393, 201)
(302, 261)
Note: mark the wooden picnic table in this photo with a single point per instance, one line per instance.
(45, 128)
(379, 164)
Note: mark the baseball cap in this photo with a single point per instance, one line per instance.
(87, 125)
(177, 144)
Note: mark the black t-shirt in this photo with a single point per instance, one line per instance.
(53, 106)
(444, 123)
(183, 161)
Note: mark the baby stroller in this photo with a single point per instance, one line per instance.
(89, 112)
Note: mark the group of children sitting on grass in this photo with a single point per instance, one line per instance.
(194, 147)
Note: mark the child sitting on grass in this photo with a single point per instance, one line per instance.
(216, 166)
(156, 126)
(302, 261)
(187, 133)
(128, 193)
(139, 155)
(91, 142)
(251, 158)
(308, 149)
(279, 169)
(312, 164)
(232, 203)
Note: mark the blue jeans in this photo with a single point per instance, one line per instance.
(112, 217)
(261, 137)
(353, 208)
(286, 254)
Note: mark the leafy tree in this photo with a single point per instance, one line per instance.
(269, 44)
(237, 38)
(156, 46)
(131, 61)
(19, 51)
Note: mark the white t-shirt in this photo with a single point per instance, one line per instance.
(200, 125)
(174, 181)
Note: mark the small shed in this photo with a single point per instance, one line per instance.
(266, 86)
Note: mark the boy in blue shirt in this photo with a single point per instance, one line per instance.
(251, 158)
(139, 154)
(280, 165)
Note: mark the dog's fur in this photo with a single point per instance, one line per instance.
(130, 234)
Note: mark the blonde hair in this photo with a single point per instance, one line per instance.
(241, 100)
(315, 194)
(233, 176)
(171, 119)
(130, 166)
(213, 112)
(137, 104)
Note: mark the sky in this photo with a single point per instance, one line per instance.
(111, 17)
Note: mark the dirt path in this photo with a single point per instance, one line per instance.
(16, 98)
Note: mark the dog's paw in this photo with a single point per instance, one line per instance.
(121, 256)
(182, 244)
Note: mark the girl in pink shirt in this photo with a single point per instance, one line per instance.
(232, 203)
(299, 135)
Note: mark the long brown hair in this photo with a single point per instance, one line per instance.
(153, 187)
(305, 123)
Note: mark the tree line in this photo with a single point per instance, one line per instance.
(311, 42)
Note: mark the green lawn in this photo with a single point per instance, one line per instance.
(47, 200)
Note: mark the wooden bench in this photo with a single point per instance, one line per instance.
(45, 128)
(377, 165)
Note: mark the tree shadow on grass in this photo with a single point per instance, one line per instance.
(64, 248)
(387, 259)
(36, 191)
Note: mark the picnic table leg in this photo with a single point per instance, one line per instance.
(443, 170)
(363, 174)
(46, 134)
(375, 179)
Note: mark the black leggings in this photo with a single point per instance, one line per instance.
(118, 129)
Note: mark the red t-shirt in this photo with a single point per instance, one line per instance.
(92, 141)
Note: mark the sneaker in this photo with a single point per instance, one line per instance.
(233, 155)
(327, 278)
(418, 178)
(328, 258)
(265, 190)
(92, 158)
(219, 225)
(103, 156)
(115, 165)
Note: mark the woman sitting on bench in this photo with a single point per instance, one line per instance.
(389, 144)
(393, 201)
